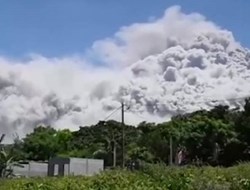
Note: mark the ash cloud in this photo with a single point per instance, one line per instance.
(175, 64)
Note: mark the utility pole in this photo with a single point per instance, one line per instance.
(114, 154)
(170, 151)
(123, 136)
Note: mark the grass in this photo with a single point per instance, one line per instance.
(151, 178)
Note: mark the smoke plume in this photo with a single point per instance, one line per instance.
(176, 64)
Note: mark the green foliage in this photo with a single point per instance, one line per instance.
(216, 137)
(64, 139)
(152, 177)
(42, 144)
(6, 163)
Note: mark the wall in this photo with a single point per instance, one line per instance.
(32, 169)
(85, 166)
(94, 166)
(78, 166)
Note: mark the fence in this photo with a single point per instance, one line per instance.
(73, 166)
(32, 169)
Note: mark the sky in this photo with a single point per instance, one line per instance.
(63, 28)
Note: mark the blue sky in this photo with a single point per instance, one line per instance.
(63, 27)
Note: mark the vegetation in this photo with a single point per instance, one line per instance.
(218, 137)
(215, 137)
(151, 177)
(6, 162)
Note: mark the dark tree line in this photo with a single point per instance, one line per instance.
(220, 136)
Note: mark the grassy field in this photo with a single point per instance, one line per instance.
(154, 177)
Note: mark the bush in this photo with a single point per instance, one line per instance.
(150, 177)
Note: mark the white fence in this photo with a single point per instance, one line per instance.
(75, 167)
(32, 169)
(85, 166)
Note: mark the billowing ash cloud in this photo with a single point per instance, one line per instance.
(176, 64)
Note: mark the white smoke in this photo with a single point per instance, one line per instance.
(140, 40)
(178, 63)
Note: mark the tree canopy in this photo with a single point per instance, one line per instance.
(219, 136)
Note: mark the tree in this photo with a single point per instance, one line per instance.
(156, 141)
(105, 137)
(240, 150)
(217, 137)
(42, 144)
(206, 137)
(64, 140)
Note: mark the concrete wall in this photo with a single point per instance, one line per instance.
(21, 171)
(85, 166)
(94, 166)
(38, 169)
(56, 166)
(32, 169)
(66, 169)
(75, 166)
